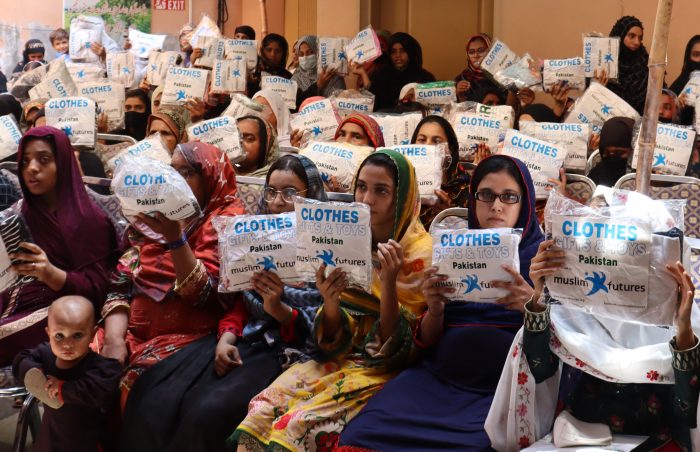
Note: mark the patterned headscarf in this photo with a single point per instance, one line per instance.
(472, 73)
(268, 138)
(369, 125)
(176, 118)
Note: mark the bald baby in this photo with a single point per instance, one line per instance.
(71, 327)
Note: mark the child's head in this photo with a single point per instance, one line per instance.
(59, 40)
(71, 329)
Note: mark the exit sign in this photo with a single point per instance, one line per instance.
(169, 5)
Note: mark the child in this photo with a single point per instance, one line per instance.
(59, 42)
(79, 383)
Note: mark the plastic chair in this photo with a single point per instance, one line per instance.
(460, 212)
(28, 419)
(593, 160)
(579, 187)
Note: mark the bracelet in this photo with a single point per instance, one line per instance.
(195, 270)
(177, 243)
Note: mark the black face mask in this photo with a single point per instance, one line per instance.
(135, 124)
(693, 66)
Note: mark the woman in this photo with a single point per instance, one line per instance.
(472, 80)
(308, 80)
(633, 70)
(274, 51)
(691, 62)
(259, 142)
(449, 410)
(309, 404)
(361, 130)
(156, 96)
(615, 151)
(454, 191)
(276, 114)
(137, 109)
(73, 244)
(171, 123)
(538, 113)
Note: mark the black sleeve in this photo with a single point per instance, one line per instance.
(3, 83)
(25, 360)
(686, 370)
(543, 363)
(96, 387)
(311, 91)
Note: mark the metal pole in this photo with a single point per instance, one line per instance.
(657, 69)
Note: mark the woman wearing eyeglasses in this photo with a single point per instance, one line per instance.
(472, 82)
(442, 403)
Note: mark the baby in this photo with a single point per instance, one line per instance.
(75, 383)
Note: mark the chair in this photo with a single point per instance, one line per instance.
(340, 197)
(250, 191)
(28, 419)
(579, 187)
(459, 212)
(593, 160)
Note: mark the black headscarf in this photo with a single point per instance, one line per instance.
(10, 106)
(540, 113)
(688, 67)
(31, 46)
(633, 66)
(615, 132)
(246, 30)
(136, 123)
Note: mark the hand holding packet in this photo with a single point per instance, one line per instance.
(600, 53)
(568, 70)
(182, 84)
(221, 132)
(143, 43)
(286, 88)
(572, 137)
(212, 50)
(206, 27)
(364, 47)
(475, 123)
(338, 235)
(84, 31)
(428, 162)
(57, 83)
(109, 97)
(341, 160)
(331, 54)
(692, 88)
(251, 243)
(242, 105)
(158, 64)
(151, 147)
(498, 58)
(75, 116)
(525, 72)
(597, 105)
(13, 231)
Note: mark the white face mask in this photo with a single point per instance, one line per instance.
(308, 62)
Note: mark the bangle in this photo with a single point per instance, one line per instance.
(177, 243)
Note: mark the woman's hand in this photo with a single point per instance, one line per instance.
(520, 290)
(683, 100)
(390, 256)
(295, 137)
(102, 123)
(526, 96)
(482, 151)
(332, 286)
(332, 185)
(160, 224)
(685, 338)
(560, 94)
(226, 356)
(593, 142)
(97, 49)
(548, 260)
(558, 184)
(270, 287)
(196, 54)
(144, 85)
(36, 263)
(127, 44)
(462, 87)
(435, 295)
(601, 76)
(325, 77)
(197, 109)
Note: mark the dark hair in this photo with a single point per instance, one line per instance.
(262, 139)
(246, 30)
(686, 57)
(289, 163)
(496, 164)
(412, 48)
(141, 94)
(452, 141)
(279, 39)
(58, 33)
(384, 161)
(39, 114)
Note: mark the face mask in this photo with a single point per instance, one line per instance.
(308, 62)
(135, 124)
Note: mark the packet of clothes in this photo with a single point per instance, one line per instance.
(143, 43)
(599, 53)
(436, 93)
(498, 58)
(242, 105)
(182, 84)
(85, 72)
(76, 116)
(697, 114)
(206, 27)
(472, 259)
(152, 147)
(428, 162)
(543, 159)
(242, 49)
(336, 234)
(252, 243)
(331, 54)
(84, 31)
(13, 231)
(9, 136)
(572, 137)
(21, 86)
(474, 128)
(317, 120)
(364, 47)
(121, 68)
(212, 50)
(221, 132)
(672, 149)
(57, 83)
(287, 89)
(228, 76)
(597, 105)
(568, 70)
(692, 88)
(397, 129)
(341, 160)
(525, 72)
(353, 101)
(109, 97)
(158, 64)
(144, 185)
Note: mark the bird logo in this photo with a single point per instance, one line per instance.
(341, 56)
(154, 67)
(68, 130)
(608, 58)
(236, 73)
(659, 159)
(326, 257)
(126, 70)
(267, 263)
(316, 131)
(80, 73)
(598, 281)
(606, 109)
(359, 54)
(180, 95)
(472, 283)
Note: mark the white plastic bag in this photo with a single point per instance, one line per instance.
(242, 49)
(221, 132)
(144, 185)
(158, 64)
(341, 160)
(206, 27)
(85, 72)
(476, 123)
(317, 120)
(498, 58)
(597, 105)
(143, 43)
(672, 149)
(242, 105)
(472, 259)
(57, 83)
(212, 50)
(427, 161)
(569, 70)
(338, 235)
(84, 30)
(331, 54)
(600, 52)
(109, 97)
(75, 116)
(151, 147)
(352, 101)
(182, 84)
(228, 76)
(397, 129)
(287, 89)
(9, 136)
(364, 47)
(121, 68)
(251, 243)
(572, 137)
(436, 93)
(692, 88)
(525, 72)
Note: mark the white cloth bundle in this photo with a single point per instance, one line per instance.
(182, 84)
(75, 116)
(109, 97)
(600, 53)
(206, 27)
(397, 129)
(121, 68)
(474, 128)
(242, 105)
(9, 136)
(436, 93)
(353, 102)
(317, 120)
(331, 54)
(597, 105)
(692, 88)
(58, 83)
(341, 160)
(672, 149)
(427, 161)
(151, 147)
(572, 137)
(158, 64)
(221, 132)
(212, 50)
(242, 49)
(569, 70)
(498, 58)
(228, 76)
(143, 43)
(84, 31)
(287, 89)
(364, 47)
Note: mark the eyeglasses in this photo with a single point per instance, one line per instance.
(489, 196)
(288, 194)
(479, 51)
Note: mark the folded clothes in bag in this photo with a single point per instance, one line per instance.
(76, 116)
(364, 47)
(242, 49)
(597, 105)
(341, 160)
(286, 88)
(568, 70)
(182, 84)
(600, 53)
(158, 64)
(151, 147)
(228, 76)
(427, 161)
(121, 68)
(331, 54)
(143, 43)
(397, 129)
(84, 31)
(9, 136)
(221, 132)
(672, 149)
(572, 137)
(109, 97)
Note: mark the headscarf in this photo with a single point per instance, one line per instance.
(472, 73)
(10, 106)
(369, 125)
(136, 123)
(688, 66)
(267, 138)
(154, 95)
(674, 106)
(306, 77)
(615, 132)
(174, 117)
(279, 108)
(540, 113)
(156, 274)
(267, 65)
(633, 69)
(246, 30)
(314, 183)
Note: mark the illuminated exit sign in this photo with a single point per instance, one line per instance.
(169, 5)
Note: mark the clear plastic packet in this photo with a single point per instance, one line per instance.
(212, 50)
(498, 58)
(151, 147)
(182, 84)
(142, 44)
(109, 97)
(473, 258)
(336, 234)
(206, 27)
(616, 257)
(13, 231)
(353, 101)
(85, 72)
(397, 130)
(228, 76)
(429, 163)
(572, 137)
(158, 64)
(9, 136)
(287, 89)
(542, 159)
(331, 54)
(672, 148)
(364, 47)
(242, 49)
(600, 52)
(697, 115)
(121, 68)
(598, 104)
(341, 160)
(242, 105)
(85, 30)
(56, 83)
(76, 116)
(144, 185)
(221, 132)
(568, 70)
(525, 72)
(251, 243)
(436, 93)
(475, 123)
(692, 88)
(317, 120)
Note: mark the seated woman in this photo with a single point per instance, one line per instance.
(308, 80)
(615, 151)
(276, 113)
(449, 410)
(361, 130)
(274, 51)
(259, 141)
(164, 291)
(472, 79)
(364, 337)
(171, 123)
(73, 244)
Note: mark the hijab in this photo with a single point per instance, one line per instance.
(10, 106)
(615, 132)
(306, 77)
(156, 92)
(688, 66)
(633, 70)
(540, 113)
(314, 183)
(267, 138)
(156, 274)
(368, 124)
(472, 73)
(246, 30)
(281, 112)
(135, 122)
(174, 117)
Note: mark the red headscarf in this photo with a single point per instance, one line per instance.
(472, 73)
(369, 125)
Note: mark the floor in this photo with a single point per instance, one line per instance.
(8, 421)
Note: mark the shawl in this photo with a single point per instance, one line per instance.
(306, 77)
(368, 124)
(615, 132)
(633, 66)
(267, 136)
(174, 117)
(472, 73)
